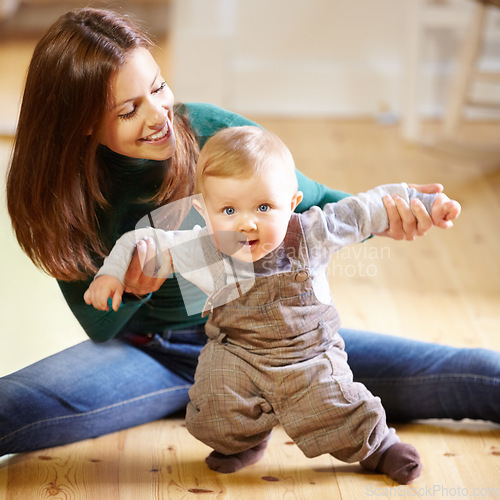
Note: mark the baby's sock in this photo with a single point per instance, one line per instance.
(232, 463)
(401, 462)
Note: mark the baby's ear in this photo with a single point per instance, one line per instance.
(296, 199)
(200, 208)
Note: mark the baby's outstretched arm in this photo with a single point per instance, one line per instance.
(444, 211)
(111, 278)
(101, 289)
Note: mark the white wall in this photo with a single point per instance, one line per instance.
(343, 58)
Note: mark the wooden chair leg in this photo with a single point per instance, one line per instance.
(465, 70)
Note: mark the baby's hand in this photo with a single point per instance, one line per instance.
(444, 211)
(101, 289)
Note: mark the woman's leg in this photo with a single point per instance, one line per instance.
(418, 380)
(89, 390)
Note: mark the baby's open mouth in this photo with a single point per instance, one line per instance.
(248, 243)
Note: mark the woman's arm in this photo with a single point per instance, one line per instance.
(405, 222)
(316, 194)
(103, 324)
(99, 325)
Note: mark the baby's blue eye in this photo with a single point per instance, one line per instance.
(229, 211)
(264, 207)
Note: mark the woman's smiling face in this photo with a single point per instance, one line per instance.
(139, 121)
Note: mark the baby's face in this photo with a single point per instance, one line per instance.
(249, 215)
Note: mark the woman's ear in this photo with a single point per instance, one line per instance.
(296, 199)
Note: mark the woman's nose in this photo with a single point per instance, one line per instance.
(157, 117)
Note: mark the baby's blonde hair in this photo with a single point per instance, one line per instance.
(241, 152)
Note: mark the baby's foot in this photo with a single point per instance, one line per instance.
(232, 463)
(401, 462)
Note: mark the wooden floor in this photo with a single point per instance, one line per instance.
(162, 461)
(444, 287)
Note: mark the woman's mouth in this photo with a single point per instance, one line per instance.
(158, 136)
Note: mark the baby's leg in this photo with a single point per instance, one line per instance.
(401, 462)
(348, 421)
(227, 464)
(227, 412)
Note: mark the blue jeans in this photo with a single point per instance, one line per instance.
(93, 389)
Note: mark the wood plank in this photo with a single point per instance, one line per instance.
(162, 461)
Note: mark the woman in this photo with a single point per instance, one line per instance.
(99, 145)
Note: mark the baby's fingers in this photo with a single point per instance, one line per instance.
(117, 300)
(449, 211)
(452, 210)
(97, 299)
(87, 297)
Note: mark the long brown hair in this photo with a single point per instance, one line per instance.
(54, 185)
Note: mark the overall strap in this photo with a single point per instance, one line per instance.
(294, 244)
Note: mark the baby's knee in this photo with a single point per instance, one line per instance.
(208, 422)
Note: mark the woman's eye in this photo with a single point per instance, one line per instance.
(264, 207)
(160, 88)
(126, 116)
(229, 211)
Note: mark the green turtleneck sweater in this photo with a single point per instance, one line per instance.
(132, 180)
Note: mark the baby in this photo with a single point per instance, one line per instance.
(274, 354)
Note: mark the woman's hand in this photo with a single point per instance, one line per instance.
(139, 278)
(406, 223)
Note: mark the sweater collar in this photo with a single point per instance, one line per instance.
(125, 164)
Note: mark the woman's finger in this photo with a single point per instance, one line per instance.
(139, 278)
(408, 220)
(149, 262)
(423, 219)
(395, 229)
